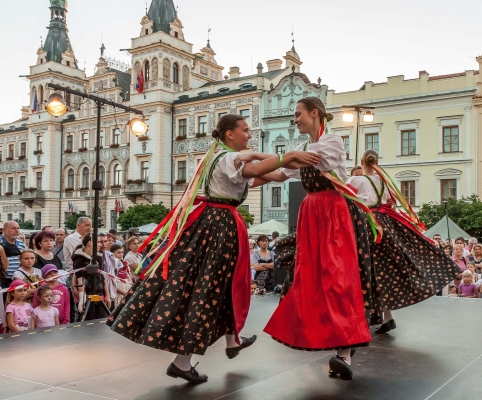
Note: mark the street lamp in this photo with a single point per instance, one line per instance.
(56, 106)
(367, 117)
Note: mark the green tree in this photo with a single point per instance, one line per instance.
(465, 212)
(71, 221)
(248, 218)
(142, 214)
(26, 224)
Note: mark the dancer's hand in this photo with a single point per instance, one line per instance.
(250, 156)
(303, 159)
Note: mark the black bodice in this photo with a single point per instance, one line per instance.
(313, 180)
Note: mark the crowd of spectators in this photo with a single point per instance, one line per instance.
(52, 264)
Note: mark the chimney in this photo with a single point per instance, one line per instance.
(234, 72)
(274, 65)
(260, 69)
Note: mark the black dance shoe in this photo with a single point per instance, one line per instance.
(386, 327)
(191, 376)
(338, 366)
(234, 351)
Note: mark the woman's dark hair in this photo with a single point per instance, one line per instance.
(262, 238)
(115, 247)
(314, 103)
(41, 290)
(355, 168)
(370, 157)
(32, 238)
(85, 241)
(226, 123)
(41, 236)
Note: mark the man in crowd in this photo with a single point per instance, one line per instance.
(12, 246)
(108, 265)
(274, 239)
(115, 233)
(48, 228)
(472, 242)
(58, 249)
(437, 238)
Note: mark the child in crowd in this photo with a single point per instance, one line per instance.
(18, 311)
(27, 273)
(123, 272)
(61, 296)
(468, 288)
(45, 316)
(453, 290)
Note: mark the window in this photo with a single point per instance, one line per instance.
(85, 139)
(23, 149)
(21, 217)
(0, 186)
(67, 98)
(40, 140)
(41, 94)
(22, 183)
(116, 136)
(10, 185)
(276, 197)
(183, 127)
(176, 34)
(408, 191)
(101, 139)
(117, 175)
(11, 150)
(175, 73)
(451, 139)
(181, 171)
(39, 180)
(68, 65)
(245, 114)
(371, 142)
(38, 220)
(102, 175)
(281, 149)
(202, 124)
(346, 145)
(448, 188)
(9, 217)
(147, 71)
(220, 115)
(1, 153)
(146, 31)
(113, 219)
(70, 142)
(85, 177)
(70, 179)
(145, 171)
(408, 142)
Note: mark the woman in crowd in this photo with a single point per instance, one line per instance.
(133, 258)
(202, 289)
(476, 257)
(330, 299)
(44, 242)
(409, 267)
(262, 261)
(31, 242)
(460, 261)
(448, 250)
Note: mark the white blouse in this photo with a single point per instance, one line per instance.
(226, 180)
(333, 156)
(366, 191)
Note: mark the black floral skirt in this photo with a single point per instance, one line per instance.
(193, 308)
(409, 268)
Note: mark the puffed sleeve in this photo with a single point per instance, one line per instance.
(293, 173)
(235, 175)
(332, 152)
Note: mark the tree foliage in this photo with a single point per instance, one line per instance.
(248, 218)
(465, 212)
(26, 224)
(142, 214)
(71, 221)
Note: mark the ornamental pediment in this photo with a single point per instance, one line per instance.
(448, 172)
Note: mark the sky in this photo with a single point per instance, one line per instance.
(345, 43)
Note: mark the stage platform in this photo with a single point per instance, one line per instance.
(435, 353)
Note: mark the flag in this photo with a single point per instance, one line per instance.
(116, 208)
(34, 102)
(121, 206)
(140, 82)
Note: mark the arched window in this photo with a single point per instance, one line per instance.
(185, 76)
(175, 73)
(166, 70)
(147, 71)
(40, 94)
(70, 178)
(117, 175)
(67, 99)
(102, 175)
(127, 170)
(85, 177)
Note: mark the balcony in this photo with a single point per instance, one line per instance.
(144, 189)
(30, 196)
(4, 197)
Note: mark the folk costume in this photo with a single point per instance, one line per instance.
(330, 298)
(197, 287)
(408, 266)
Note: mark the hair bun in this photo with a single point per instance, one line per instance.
(215, 134)
(329, 117)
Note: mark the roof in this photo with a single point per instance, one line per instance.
(123, 80)
(11, 130)
(269, 75)
(214, 95)
(456, 75)
(162, 13)
(441, 228)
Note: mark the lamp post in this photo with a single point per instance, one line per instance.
(56, 106)
(367, 117)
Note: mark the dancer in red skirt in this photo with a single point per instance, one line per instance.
(325, 307)
(409, 267)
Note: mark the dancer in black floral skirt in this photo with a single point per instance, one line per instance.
(409, 268)
(202, 290)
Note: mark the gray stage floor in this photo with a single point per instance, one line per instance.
(434, 353)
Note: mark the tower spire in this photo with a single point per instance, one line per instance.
(209, 41)
(293, 38)
(162, 13)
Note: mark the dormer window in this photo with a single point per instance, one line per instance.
(68, 63)
(41, 61)
(147, 31)
(176, 34)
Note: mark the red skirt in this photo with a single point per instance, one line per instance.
(324, 308)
